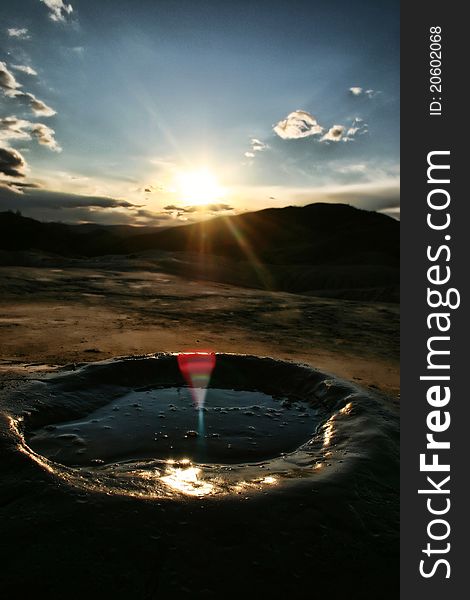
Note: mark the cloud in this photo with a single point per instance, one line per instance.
(8, 82)
(10, 88)
(334, 134)
(38, 107)
(352, 168)
(359, 91)
(47, 205)
(12, 128)
(207, 209)
(57, 9)
(180, 209)
(45, 136)
(219, 207)
(60, 200)
(298, 124)
(357, 127)
(355, 91)
(16, 187)
(258, 146)
(12, 163)
(21, 34)
(255, 146)
(24, 69)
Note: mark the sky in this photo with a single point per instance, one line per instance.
(162, 112)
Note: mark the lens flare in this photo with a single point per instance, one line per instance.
(196, 368)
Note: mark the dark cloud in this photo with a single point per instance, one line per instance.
(59, 200)
(180, 209)
(219, 207)
(12, 163)
(148, 214)
(17, 186)
(46, 205)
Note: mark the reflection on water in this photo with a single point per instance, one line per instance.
(191, 481)
(187, 481)
(235, 426)
(173, 477)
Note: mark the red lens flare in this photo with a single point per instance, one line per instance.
(196, 368)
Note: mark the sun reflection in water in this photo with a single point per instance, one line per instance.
(186, 480)
(269, 480)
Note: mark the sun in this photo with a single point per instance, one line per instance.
(198, 187)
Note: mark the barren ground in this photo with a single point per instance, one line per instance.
(52, 316)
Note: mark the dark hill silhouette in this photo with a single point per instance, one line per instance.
(313, 234)
(22, 233)
(328, 249)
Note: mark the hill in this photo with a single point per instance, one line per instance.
(326, 249)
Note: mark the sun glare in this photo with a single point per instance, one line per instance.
(198, 187)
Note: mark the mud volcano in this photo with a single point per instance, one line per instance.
(289, 475)
(129, 426)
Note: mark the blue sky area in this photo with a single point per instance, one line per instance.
(163, 112)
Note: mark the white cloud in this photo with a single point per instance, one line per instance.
(12, 128)
(8, 82)
(45, 136)
(57, 9)
(10, 88)
(298, 124)
(357, 127)
(334, 134)
(356, 91)
(38, 107)
(352, 169)
(21, 34)
(24, 69)
(255, 146)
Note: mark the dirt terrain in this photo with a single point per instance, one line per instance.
(54, 316)
(289, 541)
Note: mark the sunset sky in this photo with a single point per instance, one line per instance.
(157, 112)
